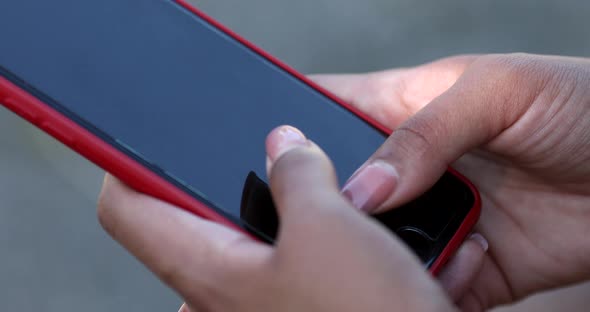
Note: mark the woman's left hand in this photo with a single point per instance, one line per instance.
(328, 256)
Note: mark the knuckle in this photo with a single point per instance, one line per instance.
(513, 80)
(232, 290)
(518, 71)
(416, 137)
(228, 281)
(170, 274)
(201, 295)
(299, 169)
(378, 89)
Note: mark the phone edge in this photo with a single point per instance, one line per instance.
(101, 153)
(475, 211)
(146, 181)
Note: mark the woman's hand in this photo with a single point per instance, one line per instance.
(518, 126)
(328, 256)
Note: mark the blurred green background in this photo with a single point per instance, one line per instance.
(55, 257)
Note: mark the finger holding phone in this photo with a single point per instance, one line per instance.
(517, 125)
(535, 213)
(161, 129)
(328, 255)
(187, 124)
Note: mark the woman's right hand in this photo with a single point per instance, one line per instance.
(518, 126)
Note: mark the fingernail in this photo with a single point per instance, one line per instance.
(480, 240)
(371, 185)
(282, 139)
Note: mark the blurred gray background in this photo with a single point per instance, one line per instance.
(55, 257)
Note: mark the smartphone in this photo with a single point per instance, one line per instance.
(178, 107)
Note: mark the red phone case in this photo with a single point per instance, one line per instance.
(144, 180)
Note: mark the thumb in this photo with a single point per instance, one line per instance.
(300, 173)
(486, 100)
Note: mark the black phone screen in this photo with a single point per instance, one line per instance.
(181, 96)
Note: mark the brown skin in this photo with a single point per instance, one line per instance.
(328, 257)
(518, 126)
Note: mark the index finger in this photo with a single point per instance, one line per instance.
(190, 254)
(391, 96)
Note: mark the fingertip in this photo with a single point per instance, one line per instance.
(371, 186)
(108, 199)
(113, 187)
(456, 277)
(113, 191)
(302, 173)
(480, 240)
(281, 139)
